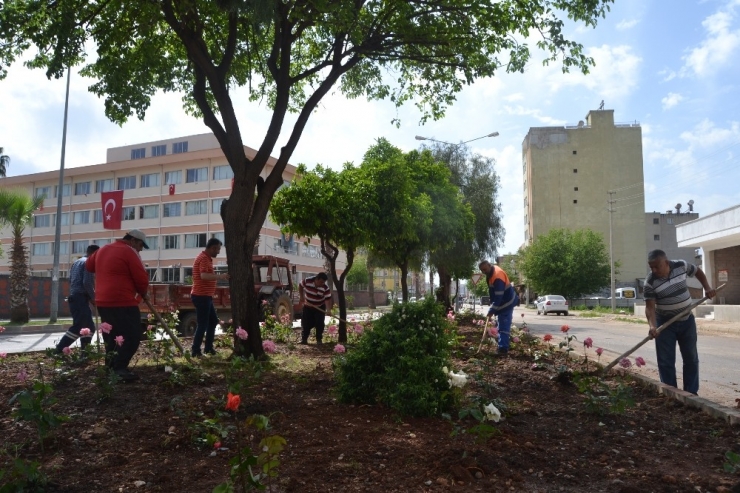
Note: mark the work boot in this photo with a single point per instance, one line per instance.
(502, 351)
(304, 341)
(126, 375)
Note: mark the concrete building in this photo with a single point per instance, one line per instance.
(568, 172)
(661, 233)
(718, 235)
(173, 190)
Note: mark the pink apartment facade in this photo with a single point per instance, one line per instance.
(173, 191)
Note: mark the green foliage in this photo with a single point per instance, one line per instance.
(23, 477)
(732, 464)
(399, 363)
(568, 263)
(105, 381)
(34, 406)
(602, 398)
(358, 274)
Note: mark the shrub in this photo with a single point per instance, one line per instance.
(399, 363)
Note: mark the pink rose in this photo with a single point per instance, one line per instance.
(2, 329)
(514, 339)
(339, 349)
(119, 340)
(269, 346)
(332, 330)
(105, 328)
(3, 355)
(358, 329)
(241, 334)
(493, 331)
(599, 351)
(639, 361)
(67, 351)
(84, 332)
(588, 342)
(625, 363)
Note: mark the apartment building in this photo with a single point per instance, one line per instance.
(173, 190)
(661, 233)
(568, 172)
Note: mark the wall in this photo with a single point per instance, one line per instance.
(360, 299)
(38, 297)
(666, 230)
(728, 259)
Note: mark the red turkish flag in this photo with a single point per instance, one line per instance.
(172, 189)
(112, 203)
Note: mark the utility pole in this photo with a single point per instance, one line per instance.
(611, 209)
(54, 308)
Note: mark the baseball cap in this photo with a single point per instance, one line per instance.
(139, 235)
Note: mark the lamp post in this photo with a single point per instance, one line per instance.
(492, 134)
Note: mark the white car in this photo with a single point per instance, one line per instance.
(552, 303)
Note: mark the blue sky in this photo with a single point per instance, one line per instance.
(671, 66)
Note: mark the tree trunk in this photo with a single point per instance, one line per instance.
(331, 253)
(431, 280)
(445, 283)
(19, 311)
(404, 267)
(371, 288)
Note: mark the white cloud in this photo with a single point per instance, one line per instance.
(626, 24)
(615, 74)
(707, 134)
(535, 113)
(671, 100)
(517, 96)
(719, 46)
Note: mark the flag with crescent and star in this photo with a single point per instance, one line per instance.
(112, 203)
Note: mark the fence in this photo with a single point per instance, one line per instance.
(39, 296)
(605, 302)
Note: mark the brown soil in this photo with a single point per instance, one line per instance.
(547, 442)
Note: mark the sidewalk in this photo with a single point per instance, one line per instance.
(37, 326)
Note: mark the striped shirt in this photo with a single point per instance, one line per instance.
(315, 295)
(203, 264)
(671, 294)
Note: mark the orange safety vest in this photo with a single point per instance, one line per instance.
(498, 273)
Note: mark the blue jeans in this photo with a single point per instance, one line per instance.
(79, 307)
(665, 347)
(207, 321)
(505, 318)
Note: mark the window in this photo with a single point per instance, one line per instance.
(196, 207)
(575, 152)
(148, 212)
(656, 237)
(150, 180)
(129, 213)
(222, 172)
(64, 221)
(171, 274)
(138, 153)
(195, 240)
(669, 220)
(656, 220)
(43, 192)
(101, 242)
(219, 236)
(171, 210)
(41, 249)
(80, 246)
(127, 183)
(82, 188)
(81, 217)
(575, 170)
(180, 147)
(103, 185)
(575, 201)
(153, 242)
(63, 248)
(172, 177)
(171, 242)
(196, 174)
(575, 189)
(42, 221)
(159, 150)
(152, 273)
(66, 190)
(216, 205)
(98, 216)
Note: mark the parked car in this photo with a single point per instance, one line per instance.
(552, 303)
(412, 299)
(485, 300)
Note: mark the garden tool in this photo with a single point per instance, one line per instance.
(329, 314)
(659, 330)
(167, 329)
(483, 338)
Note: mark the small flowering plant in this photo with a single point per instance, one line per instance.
(274, 328)
(565, 345)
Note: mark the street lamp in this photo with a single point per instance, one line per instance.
(493, 134)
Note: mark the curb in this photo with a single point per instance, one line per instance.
(37, 329)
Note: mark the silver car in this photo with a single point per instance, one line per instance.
(552, 303)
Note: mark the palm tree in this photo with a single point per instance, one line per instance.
(16, 211)
(4, 163)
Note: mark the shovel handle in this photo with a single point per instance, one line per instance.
(483, 337)
(659, 330)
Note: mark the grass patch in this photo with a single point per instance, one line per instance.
(590, 315)
(631, 320)
(37, 322)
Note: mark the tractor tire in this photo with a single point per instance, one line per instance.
(282, 306)
(188, 324)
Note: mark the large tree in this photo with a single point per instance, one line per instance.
(564, 262)
(289, 53)
(4, 163)
(329, 205)
(16, 211)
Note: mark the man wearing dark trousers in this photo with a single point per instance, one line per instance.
(503, 301)
(201, 294)
(81, 295)
(666, 294)
(316, 300)
(121, 283)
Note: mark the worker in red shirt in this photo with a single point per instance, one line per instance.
(121, 283)
(204, 287)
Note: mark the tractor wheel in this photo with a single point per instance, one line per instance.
(282, 306)
(188, 324)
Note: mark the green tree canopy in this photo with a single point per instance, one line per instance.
(358, 274)
(568, 263)
(290, 54)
